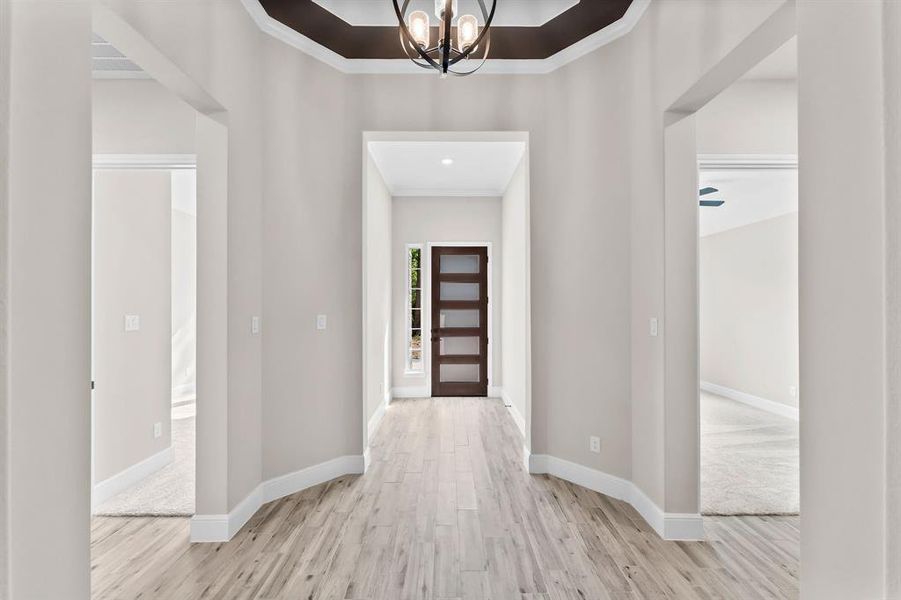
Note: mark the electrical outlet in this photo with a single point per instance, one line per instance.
(321, 322)
(157, 430)
(793, 391)
(132, 322)
(653, 327)
(254, 325)
(594, 444)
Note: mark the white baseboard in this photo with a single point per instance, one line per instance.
(411, 392)
(221, 528)
(279, 487)
(669, 526)
(376, 419)
(771, 406)
(517, 417)
(495, 391)
(123, 480)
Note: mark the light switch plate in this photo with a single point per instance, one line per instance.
(653, 327)
(254, 325)
(132, 322)
(321, 322)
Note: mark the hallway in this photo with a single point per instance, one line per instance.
(446, 511)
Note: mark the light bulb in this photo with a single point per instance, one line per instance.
(440, 5)
(418, 24)
(467, 32)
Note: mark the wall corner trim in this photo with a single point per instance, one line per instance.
(669, 526)
(222, 528)
(770, 406)
(126, 478)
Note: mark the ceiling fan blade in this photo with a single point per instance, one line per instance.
(712, 202)
(707, 190)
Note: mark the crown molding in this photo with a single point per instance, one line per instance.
(282, 32)
(747, 161)
(145, 161)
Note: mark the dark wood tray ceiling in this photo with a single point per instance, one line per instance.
(321, 26)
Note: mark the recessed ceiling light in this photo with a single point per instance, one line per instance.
(447, 161)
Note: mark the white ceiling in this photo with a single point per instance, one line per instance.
(522, 13)
(781, 64)
(416, 169)
(751, 195)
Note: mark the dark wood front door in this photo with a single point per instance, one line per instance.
(459, 321)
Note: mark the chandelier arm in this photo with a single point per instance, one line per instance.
(446, 45)
(413, 57)
(405, 35)
(481, 64)
(489, 17)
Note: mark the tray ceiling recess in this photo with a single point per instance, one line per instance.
(528, 36)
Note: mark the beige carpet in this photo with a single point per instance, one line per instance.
(170, 491)
(749, 460)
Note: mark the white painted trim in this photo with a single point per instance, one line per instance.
(669, 526)
(495, 391)
(714, 162)
(403, 192)
(376, 419)
(126, 478)
(608, 34)
(221, 528)
(145, 161)
(411, 392)
(279, 487)
(770, 406)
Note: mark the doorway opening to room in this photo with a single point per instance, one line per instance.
(748, 293)
(446, 293)
(144, 293)
(739, 127)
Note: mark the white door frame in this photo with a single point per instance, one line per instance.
(105, 162)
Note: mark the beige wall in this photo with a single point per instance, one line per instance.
(4, 290)
(749, 308)
(140, 116)
(756, 116)
(132, 276)
(845, 265)
(48, 295)
(434, 220)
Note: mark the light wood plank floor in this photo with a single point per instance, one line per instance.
(446, 511)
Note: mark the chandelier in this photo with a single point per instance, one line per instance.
(449, 50)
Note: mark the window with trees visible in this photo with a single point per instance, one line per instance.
(414, 309)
